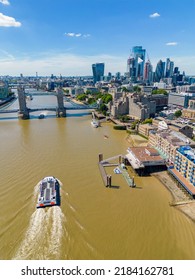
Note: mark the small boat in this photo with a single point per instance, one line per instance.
(49, 192)
(95, 123)
(29, 97)
(41, 116)
(117, 170)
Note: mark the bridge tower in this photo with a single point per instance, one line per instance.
(61, 110)
(23, 112)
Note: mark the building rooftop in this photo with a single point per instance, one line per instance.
(188, 152)
(141, 156)
(175, 138)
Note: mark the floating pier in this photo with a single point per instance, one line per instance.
(129, 180)
(107, 179)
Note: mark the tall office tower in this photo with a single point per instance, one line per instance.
(98, 72)
(159, 72)
(176, 70)
(118, 75)
(148, 72)
(169, 68)
(131, 68)
(139, 55)
(109, 76)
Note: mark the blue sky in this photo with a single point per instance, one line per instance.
(66, 36)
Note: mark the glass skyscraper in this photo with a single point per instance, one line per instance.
(148, 72)
(169, 68)
(98, 72)
(139, 56)
(136, 63)
(160, 71)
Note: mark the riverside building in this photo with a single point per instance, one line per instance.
(145, 160)
(184, 168)
(189, 113)
(167, 142)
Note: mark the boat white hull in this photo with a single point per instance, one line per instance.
(48, 192)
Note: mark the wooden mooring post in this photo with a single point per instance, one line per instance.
(100, 157)
(109, 181)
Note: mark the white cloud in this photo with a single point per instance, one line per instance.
(5, 2)
(6, 56)
(72, 34)
(172, 44)
(7, 21)
(154, 15)
(66, 64)
(70, 64)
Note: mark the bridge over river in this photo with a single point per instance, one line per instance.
(24, 111)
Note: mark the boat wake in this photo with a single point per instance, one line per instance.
(43, 237)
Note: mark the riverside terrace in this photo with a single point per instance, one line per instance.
(145, 160)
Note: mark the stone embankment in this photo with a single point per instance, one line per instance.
(181, 199)
(136, 141)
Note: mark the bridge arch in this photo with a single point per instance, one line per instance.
(24, 111)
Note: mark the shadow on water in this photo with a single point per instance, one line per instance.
(114, 187)
(49, 116)
(139, 188)
(58, 197)
(78, 114)
(6, 118)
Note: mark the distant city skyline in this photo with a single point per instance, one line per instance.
(67, 37)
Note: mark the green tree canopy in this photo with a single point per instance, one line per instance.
(178, 113)
(137, 89)
(103, 109)
(159, 91)
(81, 97)
(106, 98)
(88, 92)
(147, 121)
(125, 89)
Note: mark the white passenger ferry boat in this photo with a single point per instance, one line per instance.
(49, 193)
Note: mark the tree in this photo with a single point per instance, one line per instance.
(124, 89)
(103, 109)
(124, 118)
(147, 121)
(137, 89)
(134, 124)
(91, 100)
(178, 113)
(81, 97)
(159, 91)
(88, 92)
(106, 98)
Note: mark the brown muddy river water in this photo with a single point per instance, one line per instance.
(93, 222)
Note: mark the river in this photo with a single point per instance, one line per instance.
(93, 222)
